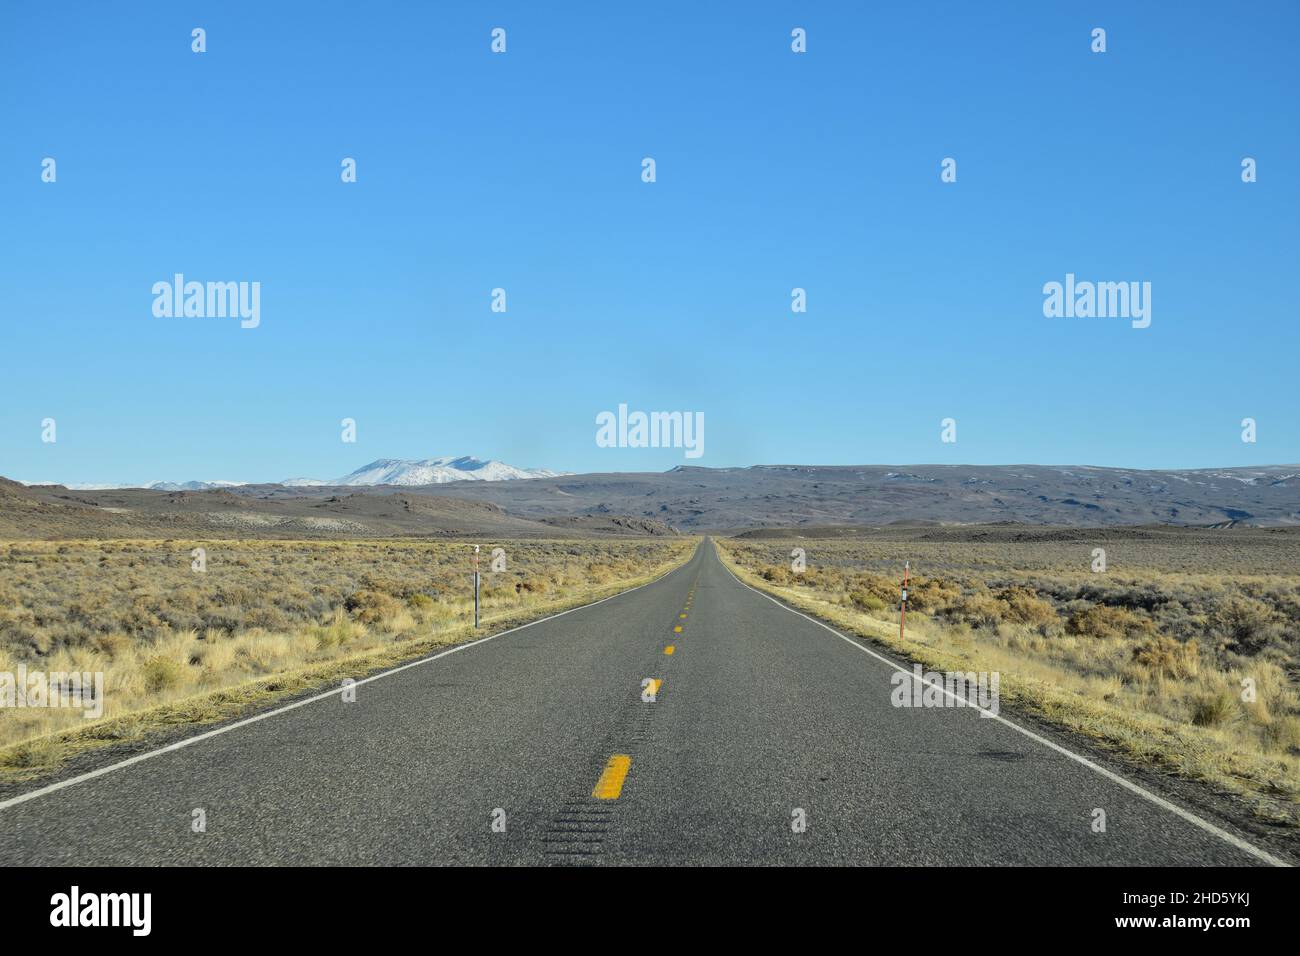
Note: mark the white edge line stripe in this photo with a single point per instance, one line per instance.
(180, 744)
(1187, 815)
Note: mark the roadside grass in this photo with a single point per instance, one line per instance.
(1149, 665)
(266, 621)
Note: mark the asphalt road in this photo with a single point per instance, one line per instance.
(764, 719)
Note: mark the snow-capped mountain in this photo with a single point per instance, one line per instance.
(385, 471)
(437, 471)
(192, 485)
(151, 485)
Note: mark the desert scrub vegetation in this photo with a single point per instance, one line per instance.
(264, 611)
(1181, 655)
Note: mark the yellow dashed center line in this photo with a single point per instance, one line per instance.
(610, 784)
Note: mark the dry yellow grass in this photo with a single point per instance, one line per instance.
(266, 619)
(1151, 663)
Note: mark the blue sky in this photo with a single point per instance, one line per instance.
(522, 171)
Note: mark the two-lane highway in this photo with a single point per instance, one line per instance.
(693, 720)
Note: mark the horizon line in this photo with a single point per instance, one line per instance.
(144, 486)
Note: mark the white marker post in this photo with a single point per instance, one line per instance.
(476, 580)
(902, 613)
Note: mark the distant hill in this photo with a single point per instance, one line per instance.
(818, 498)
(384, 471)
(693, 498)
(53, 511)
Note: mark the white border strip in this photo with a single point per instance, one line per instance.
(181, 744)
(1164, 804)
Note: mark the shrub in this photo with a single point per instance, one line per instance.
(340, 630)
(161, 673)
(140, 616)
(113, 644)
(269, 618)
(1282, 734)
(264, 651)
(867, 601)
(1214, 709)
(978, 609)
(1105, 622)
(930, 594)
(1244, 622)
(1169, 658)
(881, 588)
(1024, 606)
(371, 607)
(235, 596)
